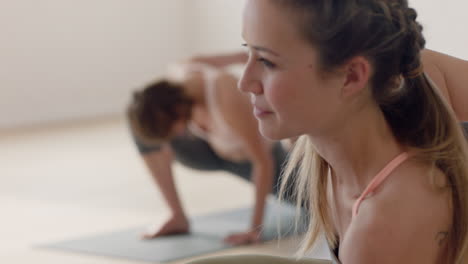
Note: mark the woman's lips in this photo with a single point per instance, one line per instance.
(260, 113)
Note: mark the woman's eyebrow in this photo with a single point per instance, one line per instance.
(260, 48)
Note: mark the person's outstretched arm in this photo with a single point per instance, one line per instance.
(179, 71)
(159, 163)
(221, 60)
(450, 74)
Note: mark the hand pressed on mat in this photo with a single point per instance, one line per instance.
(243, 238)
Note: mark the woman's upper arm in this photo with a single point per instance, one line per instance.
(450, 74)
(390, 242)
(160, 159)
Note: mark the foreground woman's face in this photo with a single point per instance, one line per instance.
(289, 95)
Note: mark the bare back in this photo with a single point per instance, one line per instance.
(208, 120)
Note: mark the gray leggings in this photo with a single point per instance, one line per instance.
(257, 259)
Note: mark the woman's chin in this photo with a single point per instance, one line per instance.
(271, 133)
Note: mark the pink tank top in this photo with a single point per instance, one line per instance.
(379, 178)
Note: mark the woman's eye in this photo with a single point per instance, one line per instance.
(267, 63)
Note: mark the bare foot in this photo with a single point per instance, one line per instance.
(173, 226)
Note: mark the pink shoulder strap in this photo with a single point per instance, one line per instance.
(379, 178)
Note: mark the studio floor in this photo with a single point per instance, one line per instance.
(70, 180)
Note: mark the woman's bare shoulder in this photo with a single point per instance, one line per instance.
(222, 88)
(394, 225)
(415, 183)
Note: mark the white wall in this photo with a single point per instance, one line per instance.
(215, 25)
(63, 59)
(445, 25)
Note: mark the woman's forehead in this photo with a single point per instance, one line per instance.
(267, 27)
(264, 25)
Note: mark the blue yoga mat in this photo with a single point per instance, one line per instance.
(207, 234)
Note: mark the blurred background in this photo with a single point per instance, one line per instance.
(67, 69)
(68, 59)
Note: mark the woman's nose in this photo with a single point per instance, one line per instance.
(249, 83)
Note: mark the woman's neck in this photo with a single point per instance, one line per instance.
(359, 150)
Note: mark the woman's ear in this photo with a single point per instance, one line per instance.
(357, 75)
